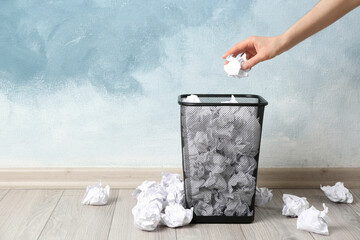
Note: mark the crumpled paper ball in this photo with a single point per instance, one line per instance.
(294, 205)
(338, 193)
(96, 195)
(155, 192)
(216, 181)
(147, 215)
(246, 164)
(192, 99)
(263, 196)
(242, 181)
(204, 195)
(232, 100)
(233, 68)
(313, 220)
(143, 187)
(176, 215)
(235, 207)
(220, 203)
(161, 203)
(203, 209)
(174, 187)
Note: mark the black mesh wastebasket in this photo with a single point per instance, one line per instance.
(220, 150)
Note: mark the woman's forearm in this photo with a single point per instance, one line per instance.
(323, 14)
(319, 17)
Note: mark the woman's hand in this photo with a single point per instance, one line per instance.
(257, 49)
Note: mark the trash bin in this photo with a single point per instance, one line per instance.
(220, 151)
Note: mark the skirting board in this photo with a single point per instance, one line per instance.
(58, 178)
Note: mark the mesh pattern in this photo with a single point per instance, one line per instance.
(220, 155)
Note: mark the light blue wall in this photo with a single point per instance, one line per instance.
(95, 83)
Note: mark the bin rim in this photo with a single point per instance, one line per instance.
(262, 101)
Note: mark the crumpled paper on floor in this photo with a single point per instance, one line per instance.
(338, 193)
(294, 205)
(147, 215)
(233, 68)
(174, 187)
(143, 187)
(263, 196)
(161, 203)
(176, 215)
(96, 195)
(153, 193)
(313, 220)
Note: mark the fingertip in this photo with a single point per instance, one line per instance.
(226, 62)
(245, 66)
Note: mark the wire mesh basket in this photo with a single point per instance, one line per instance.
(220, 150)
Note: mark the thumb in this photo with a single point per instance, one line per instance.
(252, 61)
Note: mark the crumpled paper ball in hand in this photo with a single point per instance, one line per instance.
(96, 195)
(338, 193)
(263, 196)
(313, 220)
(233, 68)
(294, 205)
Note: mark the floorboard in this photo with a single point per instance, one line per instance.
(210, 231)
(58, 214)
(3, 192)
(356, 204)
(23, 213)
(71, 220)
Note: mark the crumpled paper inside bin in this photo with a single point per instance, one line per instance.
(220, 143)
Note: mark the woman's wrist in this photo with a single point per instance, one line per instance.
(284, 41)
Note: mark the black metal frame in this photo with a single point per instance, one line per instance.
(262, 101)
(260, 114)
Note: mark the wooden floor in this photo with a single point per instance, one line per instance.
(59, 214)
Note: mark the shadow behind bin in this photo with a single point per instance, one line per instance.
(220, 152)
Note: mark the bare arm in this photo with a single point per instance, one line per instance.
(323, 14)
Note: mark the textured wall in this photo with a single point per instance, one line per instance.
(90, 83)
